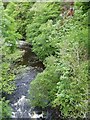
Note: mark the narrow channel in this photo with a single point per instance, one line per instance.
(19, 100)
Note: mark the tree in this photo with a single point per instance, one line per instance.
(67, 70)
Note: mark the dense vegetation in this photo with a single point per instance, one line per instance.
(9, 54)
(60, 42)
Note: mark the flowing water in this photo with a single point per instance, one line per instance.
(19, 100)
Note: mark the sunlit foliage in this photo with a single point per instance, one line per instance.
(60, 42)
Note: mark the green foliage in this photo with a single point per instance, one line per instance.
(43, 88)
(72, 94)
(72, 88)
(1, 11)
(85, 6)
(64, 81)
(44, 43)
(5, 109)
(62, 45)
(41, 31)
(7, 71)
(9, 31)
(22, 18)
(8, 51)
(7, 79)
(18, 12)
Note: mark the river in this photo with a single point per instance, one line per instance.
(19, 100)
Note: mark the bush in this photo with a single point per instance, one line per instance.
(43, 88)
(5, 109)
(64, 81)
(41, 31)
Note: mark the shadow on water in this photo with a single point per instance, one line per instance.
(29, 58)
